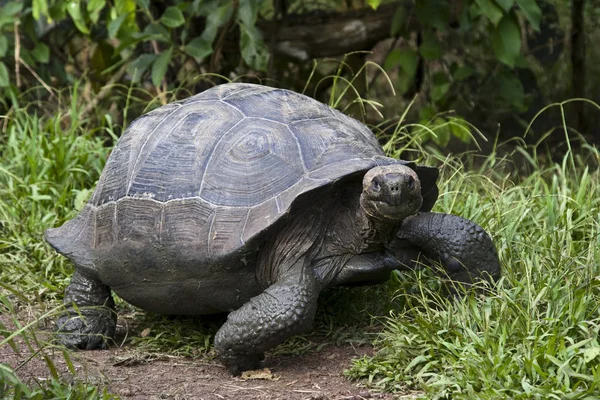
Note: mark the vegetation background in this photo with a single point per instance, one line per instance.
(500, 94)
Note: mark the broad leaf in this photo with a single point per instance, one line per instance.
(463, 72)
(248, 12)
(216, 20)
(41, 53)
(442, 132)
(172, 17)
(254, 50)
(511, 90)
(506, 5)
(3, 45)
(198, 48)
(374, 4)
(461, 129)
(441, 85)
(532, 12)
(430, 48)
(11, 8)
(591, 353)
(39, 8)
(398, 21)
(3, 75)
(140, 65)
(160, 65)
(144, 4)
(491, 10)
(94, 7)
(506, 40)
(74, 10)
(114, 26)
(406, 59)
(435, 13)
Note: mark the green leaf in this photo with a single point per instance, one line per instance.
(81, 198)
(532, 12)
(398, 21)
(591, 353)
(129, 26)
(94, 7)
(216, 20)
(511, 90)
(114, 26)
(406, 59)
(139, 66)
(506, 40)
(198, 48)
(39, 8)
(41, 53)
(144, 4)
(160, 65)
(442, 131)
(74, 10)
(434, 13)
(426, 114)
(374, 4)
(463, 72)
(461, 129)
(441, 85)
(505, 5)
(3, 45)
(430, 48)
(172, 17)
(254, 50)
(248, 12)
(157, 32)
(12, 8)
(490, 10)
(3, 75)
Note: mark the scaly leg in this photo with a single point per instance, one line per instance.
(90, 318)
(283, 310)
(464, 249)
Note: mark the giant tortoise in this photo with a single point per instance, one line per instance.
(251, 200)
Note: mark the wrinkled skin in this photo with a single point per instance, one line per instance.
(357, 233)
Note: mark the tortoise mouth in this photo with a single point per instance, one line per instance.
(384, 211)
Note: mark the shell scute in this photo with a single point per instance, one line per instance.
(278, 105)
(241, 170)
(175, 157)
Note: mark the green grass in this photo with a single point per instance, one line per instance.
(534, 336)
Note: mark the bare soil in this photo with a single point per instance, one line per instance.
(316, 374)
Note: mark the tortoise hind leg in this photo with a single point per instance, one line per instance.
(90, 318)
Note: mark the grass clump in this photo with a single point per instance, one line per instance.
(48, 164)
(536, 334)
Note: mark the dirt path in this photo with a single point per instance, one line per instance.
(316, 374)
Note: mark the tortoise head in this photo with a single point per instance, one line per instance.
(391, 193)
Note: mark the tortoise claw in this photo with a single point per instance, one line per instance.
(89, 329)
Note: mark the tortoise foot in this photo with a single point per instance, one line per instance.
(236, 364)
(88, 329)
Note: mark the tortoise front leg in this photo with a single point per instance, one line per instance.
(284, 309)
(90, 317)
(465, 250)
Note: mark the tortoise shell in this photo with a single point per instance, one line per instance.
(217, 169)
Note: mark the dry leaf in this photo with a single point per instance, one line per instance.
(264, 374)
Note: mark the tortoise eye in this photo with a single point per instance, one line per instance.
(375, 186)
(411, 182)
